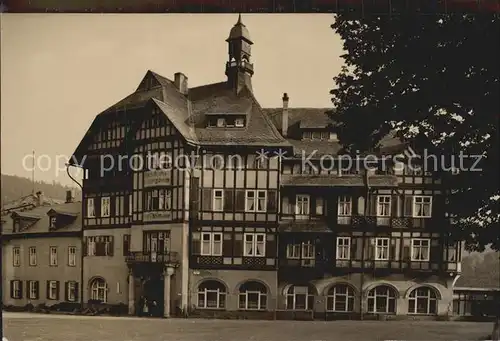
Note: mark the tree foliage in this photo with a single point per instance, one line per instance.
(434, 80)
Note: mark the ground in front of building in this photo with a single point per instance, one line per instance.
(22, 326)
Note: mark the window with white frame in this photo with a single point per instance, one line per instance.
(164, 200)
(260, 162)
(16, 256)
(255, 201)
(53, 221)
(52, 293)
(105, 206)
(382, 248)
(252, 296)
(345, 206)
(302, 204)
(308, 251)
(340, 298)
(255, 245)
(343, 248)
(71, 291)
(420, 249)
(382, 299)
(384, 205)
(99, 290)
(320, 203)
(239, 122)
(90, 208)
(304, 250)
(299, 298)
(422, 300)
(16, 289)
(211, 295)
(293, 251)
(72, 256)
(91, 246)
(211, 243)
(130, 204)
(32, 256)
(99, 245)
(53, 256)
(218, 200)
(422, 206)
(33, 290)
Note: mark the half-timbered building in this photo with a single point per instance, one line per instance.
(200, 199)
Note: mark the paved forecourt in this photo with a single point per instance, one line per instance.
(36, 327)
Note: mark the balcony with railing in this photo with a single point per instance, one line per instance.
(141, 257)
(393, 222)
(303, 223)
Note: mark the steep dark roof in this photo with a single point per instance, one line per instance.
(42, 223)
(26, 203)
(314, 118)
(337, 180)
(301, 117)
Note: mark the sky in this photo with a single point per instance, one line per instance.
(58, 71)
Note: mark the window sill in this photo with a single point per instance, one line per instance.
(211, 309)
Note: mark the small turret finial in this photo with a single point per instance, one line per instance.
(239, 19)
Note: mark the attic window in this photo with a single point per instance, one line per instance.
(52, 222)
(16, 225)
(221, 122)
(319, 135)
(239, 122)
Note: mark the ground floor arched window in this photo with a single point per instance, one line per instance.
(340, 298)
(211, 295)
(253, 296)
(299, 298)
(382, 299)
(99, 290)
(423, 300)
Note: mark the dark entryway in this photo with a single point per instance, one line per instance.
(151, 300)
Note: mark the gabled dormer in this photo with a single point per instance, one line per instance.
(59, 218)
(225, 120)
(23, 221)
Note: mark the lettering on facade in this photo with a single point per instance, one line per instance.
(157, 216)
(160, 177)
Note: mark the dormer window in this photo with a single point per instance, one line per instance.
(221, 122)
(52, 222)
(16, 225)
(239, 122)
(319, 135)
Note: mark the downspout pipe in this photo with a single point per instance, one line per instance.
(82, 243)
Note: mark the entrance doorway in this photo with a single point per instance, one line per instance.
(151, 302)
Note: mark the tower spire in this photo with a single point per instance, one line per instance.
(239, 68)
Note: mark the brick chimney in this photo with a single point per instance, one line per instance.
(69, 196)
(284, 116)
(181, 82)
(39, 198)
